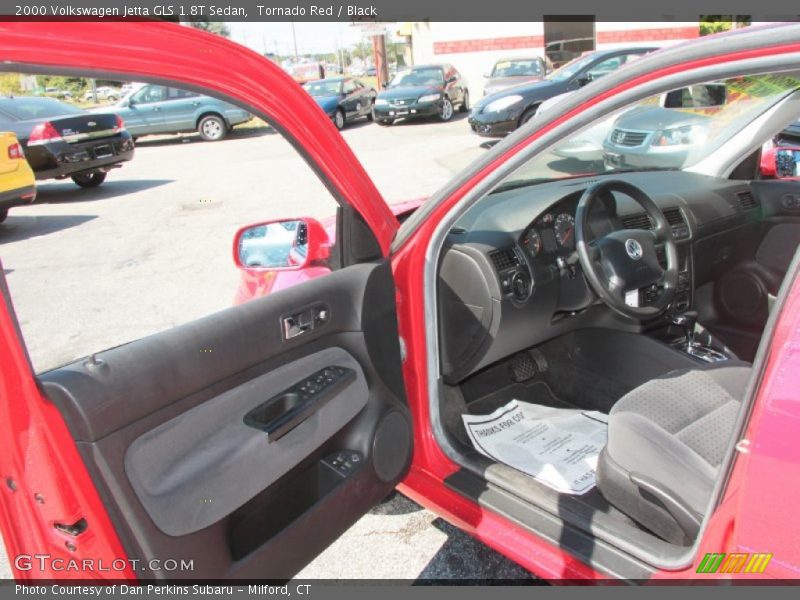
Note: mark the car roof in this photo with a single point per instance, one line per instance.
(428, 66)
(509, 58)
(627, 50)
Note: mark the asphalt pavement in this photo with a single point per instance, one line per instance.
(151, 248)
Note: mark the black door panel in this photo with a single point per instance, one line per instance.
(744, 267)
(160, 422)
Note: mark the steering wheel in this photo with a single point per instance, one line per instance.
(625, 260)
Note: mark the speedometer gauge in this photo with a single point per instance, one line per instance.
(565, 230)
(532, 242)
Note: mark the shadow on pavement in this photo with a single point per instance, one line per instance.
(396, 504)
(25, 227)
(457, 116)
(65, 192)
(192, 138)
(462, 557)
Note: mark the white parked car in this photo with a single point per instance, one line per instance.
(103, 93)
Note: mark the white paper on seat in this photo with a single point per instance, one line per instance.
(556, 446)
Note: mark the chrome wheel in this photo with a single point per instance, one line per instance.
(339, 119)
(212, 128)
(446, 111)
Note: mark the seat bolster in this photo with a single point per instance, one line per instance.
(639, 446)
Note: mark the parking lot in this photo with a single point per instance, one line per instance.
(151, 248)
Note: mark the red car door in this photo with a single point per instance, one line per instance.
(239, 445)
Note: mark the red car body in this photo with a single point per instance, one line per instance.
(41, 458)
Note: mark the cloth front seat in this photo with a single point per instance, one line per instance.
(666, 442)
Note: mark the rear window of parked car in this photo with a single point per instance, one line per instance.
(23, 109)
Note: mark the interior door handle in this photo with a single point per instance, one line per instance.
(304, 321)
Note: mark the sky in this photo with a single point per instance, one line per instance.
(311, 37)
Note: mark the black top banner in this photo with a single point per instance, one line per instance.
(399, 10)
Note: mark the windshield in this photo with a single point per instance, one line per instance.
(675, 130)
(324, 88)
(518, 68)
(418, 77)
(572, 67)
(24, 109)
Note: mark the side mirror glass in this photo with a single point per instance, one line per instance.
(289, 244)
(584, 79)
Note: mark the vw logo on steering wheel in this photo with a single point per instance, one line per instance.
(633, 248)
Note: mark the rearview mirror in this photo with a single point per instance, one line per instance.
(289, 244)
(697, 96)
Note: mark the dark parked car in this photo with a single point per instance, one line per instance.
(342, 98)
(501, 113)
(791, 134)
(63, 141)
(422, 91)
(509, 72)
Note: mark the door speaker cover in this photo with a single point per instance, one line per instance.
(391, 447)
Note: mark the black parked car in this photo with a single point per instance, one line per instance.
(499, 114)
(790, 135)
(64, 141)
(342, 98)
(422, 91)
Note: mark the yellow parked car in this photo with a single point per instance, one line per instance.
(17, 182)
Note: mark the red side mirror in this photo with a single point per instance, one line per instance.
(285, 244)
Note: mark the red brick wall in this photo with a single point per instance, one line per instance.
(647, 35)
(504, 43)
(537, 41)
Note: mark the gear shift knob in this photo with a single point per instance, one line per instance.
(687, 320)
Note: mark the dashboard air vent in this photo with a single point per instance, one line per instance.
(746, 200)
(504, 259)
(674, 216)
(637, 221)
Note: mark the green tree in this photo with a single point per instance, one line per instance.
(362, 50)
(217, 27)
(710, 24)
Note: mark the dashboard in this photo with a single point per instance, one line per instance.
(509, 277)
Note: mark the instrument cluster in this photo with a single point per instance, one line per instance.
(550, 234)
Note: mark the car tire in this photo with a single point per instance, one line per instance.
(465, 104)
(89, 180)
(339, 120)
(384, 122)
(446, 111)
(527, 115)
(3, 214)
(370, 114)
(212, 128)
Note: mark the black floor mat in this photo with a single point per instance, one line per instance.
(536, 392)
